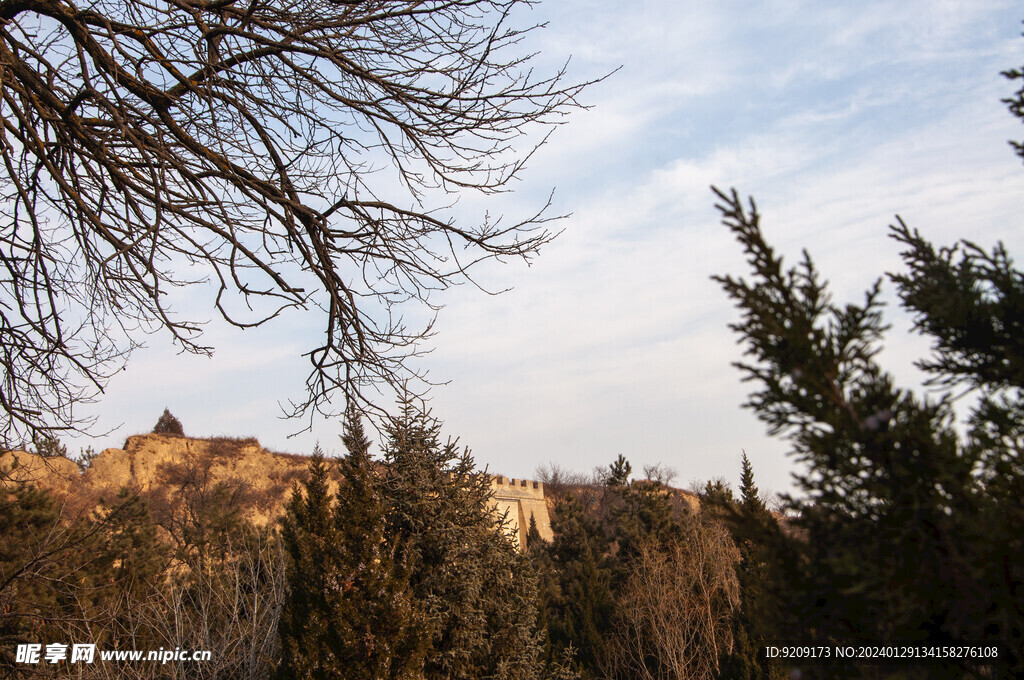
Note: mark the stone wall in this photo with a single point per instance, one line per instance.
(522, 499)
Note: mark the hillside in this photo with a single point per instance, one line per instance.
(164, 469)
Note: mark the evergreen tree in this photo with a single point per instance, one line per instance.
(634, 584)
(168, 424)
(754, 532)
(547, 589)
(407, 575)
(478, 595)
(349, 612)
(31, 563)
(315, 590)
(533, 538)
(619, 472)
(1015, 104)
(641, 512)
(129, 563)
(904, 525)
(49, 447)
(55, 575)
(750, 497)
(378, 632)
(717, 493)
(578, 595)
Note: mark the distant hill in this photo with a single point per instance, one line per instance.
(162, 468)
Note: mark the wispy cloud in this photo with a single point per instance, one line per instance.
(615, 341)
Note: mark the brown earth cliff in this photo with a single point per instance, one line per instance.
(158, 467)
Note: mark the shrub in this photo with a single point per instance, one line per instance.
(50, 447)
(168, 424)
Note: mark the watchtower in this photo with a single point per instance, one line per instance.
(521, 499)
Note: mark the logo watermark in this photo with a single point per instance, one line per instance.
(57, 652)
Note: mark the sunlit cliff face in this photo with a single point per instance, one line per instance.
(165, 469)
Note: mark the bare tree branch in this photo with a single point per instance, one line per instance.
(284, 152)
(674, 618)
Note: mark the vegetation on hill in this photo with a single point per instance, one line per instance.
(168, 424)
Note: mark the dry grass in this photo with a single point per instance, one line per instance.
(229, 447)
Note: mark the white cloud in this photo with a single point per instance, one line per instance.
(615, 341)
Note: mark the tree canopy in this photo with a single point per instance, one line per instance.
(906, 525)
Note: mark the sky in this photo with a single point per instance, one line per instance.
(836, 117)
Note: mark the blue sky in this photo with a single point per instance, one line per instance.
(835, 116)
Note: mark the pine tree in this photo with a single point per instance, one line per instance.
(578, 595)
(717, 492)
(904, 525)
(750, 497)
(619, 472)
(31, 564)
(547, 588)
(379, 633)
(50, 447)
(349, 612)
(407, 575)
(168, 424)
(129, 562)
(51, 571)
(534, 541)
(640, 513)
(315, 590)
(477, 593)
(754, 532)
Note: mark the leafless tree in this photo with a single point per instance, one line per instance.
(660, 473)
(557, 479)
(675, 615)
(232, 612)
(292, 153)
(52, 571)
